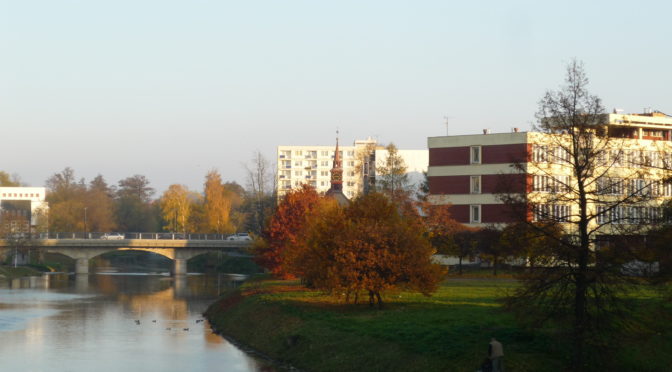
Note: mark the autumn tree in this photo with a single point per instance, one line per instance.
(370, 247)
(99, 204)
(175, 208)
(7, 180)
(442, 231)
(284, 229)
(217, 204)
(66, 197)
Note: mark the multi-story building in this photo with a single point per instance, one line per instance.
(470, 172)
(298, 165)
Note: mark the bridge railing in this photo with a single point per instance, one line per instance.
(129, 235)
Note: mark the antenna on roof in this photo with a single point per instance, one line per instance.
(446, 119)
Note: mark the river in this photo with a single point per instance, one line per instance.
(115, 322)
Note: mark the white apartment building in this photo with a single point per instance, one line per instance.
(298, 165)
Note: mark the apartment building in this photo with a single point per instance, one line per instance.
(470, 171)
(298, 165)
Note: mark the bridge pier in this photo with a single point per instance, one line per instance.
(82, 266)
(180, 267)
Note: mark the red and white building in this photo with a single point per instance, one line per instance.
(467, 171)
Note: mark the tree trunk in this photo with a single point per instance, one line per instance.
(459, 266)
(494, 266)
(380, 300)
(371, 300)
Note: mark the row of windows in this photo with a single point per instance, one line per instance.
(628, 215)
(615, 157)
(20, 195)
(286, 154)
(288, 174)
(638, 187)
(287, 184)
(634, 158)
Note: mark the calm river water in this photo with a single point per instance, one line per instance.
(114, 322)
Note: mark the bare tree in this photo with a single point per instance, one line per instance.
(261, 187)
(596, 182)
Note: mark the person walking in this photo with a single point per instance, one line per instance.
(496, 353)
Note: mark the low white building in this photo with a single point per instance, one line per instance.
(28, 202)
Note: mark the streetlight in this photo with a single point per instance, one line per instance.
(86, 230)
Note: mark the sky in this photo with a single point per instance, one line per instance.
(171, 89)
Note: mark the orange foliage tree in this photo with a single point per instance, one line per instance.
(446, 235)
(283, 231)
(371, 246)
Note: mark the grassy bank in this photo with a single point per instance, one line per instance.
(449, 331)
(10, 272)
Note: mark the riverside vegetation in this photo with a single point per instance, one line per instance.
(448, 331)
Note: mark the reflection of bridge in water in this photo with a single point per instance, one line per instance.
(179, 250)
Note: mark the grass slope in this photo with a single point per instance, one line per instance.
(449, 331)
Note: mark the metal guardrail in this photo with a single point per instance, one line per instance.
(131, 235)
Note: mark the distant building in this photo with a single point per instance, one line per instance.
(298, 165)
(22, 207)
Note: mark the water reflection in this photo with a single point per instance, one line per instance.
(114, 322)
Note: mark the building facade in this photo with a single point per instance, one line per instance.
(22, 207)
(472, 172)
(298, 165)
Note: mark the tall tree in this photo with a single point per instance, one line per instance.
(260, 199)
(176, 208)
(586, 180)
(391, 176)
(217, 204)
(99, 204)
(135, 211)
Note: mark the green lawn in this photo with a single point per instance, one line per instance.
(449, 331)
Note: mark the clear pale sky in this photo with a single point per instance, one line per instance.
(170, 89)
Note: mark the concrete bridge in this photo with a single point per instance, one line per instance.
(82, 250)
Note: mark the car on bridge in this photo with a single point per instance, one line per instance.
(240, 237)
(112, 236)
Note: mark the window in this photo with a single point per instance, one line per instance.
(475, 154)
(553, 212)
(351, 163)
(298, 152)
(298, 163)
(298, 173)
(324, 153)
(475, 214)
(540, 153)
(351, 153)
(324, 173)
(351, 184)
(324, 163)
(351, 174)
(475, 184)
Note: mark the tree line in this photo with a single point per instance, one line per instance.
(78, 205)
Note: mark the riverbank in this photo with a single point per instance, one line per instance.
(10, 272)
(449, 331)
